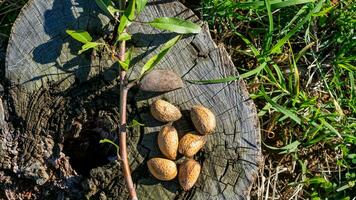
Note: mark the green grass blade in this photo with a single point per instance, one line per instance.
(282, 109)
(268, 37)
(330, 127)
(288, 3)
(275, 4)
(248, 43)
(277, 48)
(149, 65)
(214, 81)
(110, 142)
(254, 71)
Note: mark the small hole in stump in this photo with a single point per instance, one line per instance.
(84, 150)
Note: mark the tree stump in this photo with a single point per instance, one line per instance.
(57, 105)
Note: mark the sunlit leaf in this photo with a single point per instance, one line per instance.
(80, 35)
(140, 5)
(292, 147)
(175, 25)
(88, 46)
(124, 21)
(107, 7)
(124, 36)
(123, 65)
(135, 123)
(130, 10)
(155, 59)
(126, 63)
(282, 109)
(110, 142)
(215, 81)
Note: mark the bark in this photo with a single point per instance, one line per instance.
(57, 106)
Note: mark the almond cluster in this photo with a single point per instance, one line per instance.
(165, 169)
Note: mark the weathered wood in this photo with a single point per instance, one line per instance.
(63, 104)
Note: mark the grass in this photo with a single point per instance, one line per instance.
(298, 57)
(9, 10)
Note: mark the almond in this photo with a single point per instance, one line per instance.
(190, 144)
(164, 111)
(160, 81)
(189, 172)
(163, 169)
(203, 119)
(168, 141)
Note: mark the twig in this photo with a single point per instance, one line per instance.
(122, 129)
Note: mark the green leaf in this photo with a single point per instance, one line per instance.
(175, 25)
(127, 17)
(283, 4)
(268, 37)
(126, 63)
(88, 46)
(107, 7)
(277, 47)
(140, 5)
(155, 59)
(110, 142)
(330, 127)
(80, 35)
(275, 4)
(282, 109)
(215, 81)
(135, 123)
(257, 70)
(248, 43)
(130, 10)
(124, 37)
(290, 148)
(124, 21)
(123, 65)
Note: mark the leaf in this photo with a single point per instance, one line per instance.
(140, 5)
(80, 35)
(215, 81)
(126, 63)
(156, 58)
(175, 25)
(290, 148)
(107, 7)
(268, 37)
(124, 37)
(257, 70)
(123, 65)
(127, 17)
(110, 142)
(135, 123)
(130, 10)
(277, 47)
(288, 3)
(330, 127)
(282, 109)
(124, 21)
(88, 46)
(275, 4)
(248, 43)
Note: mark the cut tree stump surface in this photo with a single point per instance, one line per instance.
(58, 105)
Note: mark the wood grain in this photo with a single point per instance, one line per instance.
(52, 89)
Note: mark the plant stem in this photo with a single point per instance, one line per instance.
(122, 129)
